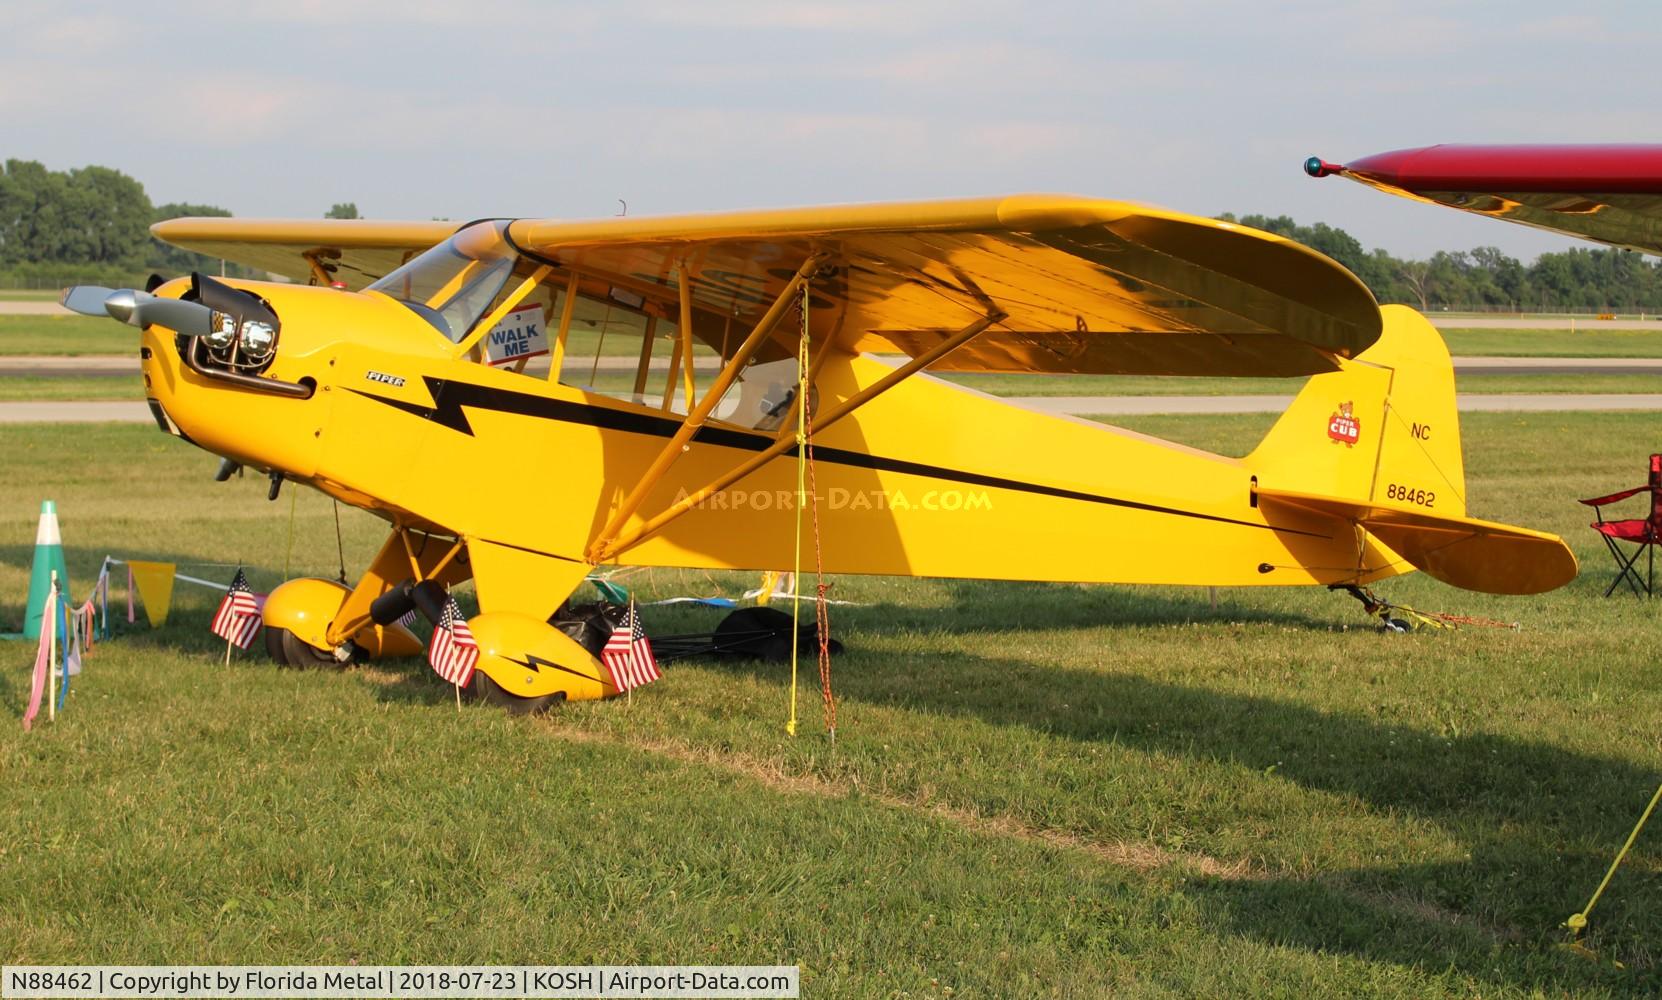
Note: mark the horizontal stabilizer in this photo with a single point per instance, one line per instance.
(1461, 551)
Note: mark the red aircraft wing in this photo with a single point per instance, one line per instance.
(1611, 194)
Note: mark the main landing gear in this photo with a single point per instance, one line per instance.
(525, 664)
(535, 651)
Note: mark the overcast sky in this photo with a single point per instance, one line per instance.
(467, 108)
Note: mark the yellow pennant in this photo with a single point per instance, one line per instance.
(155, 586)
(770, 579)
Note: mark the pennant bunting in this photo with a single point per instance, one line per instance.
(37, 684)
(62, 630)
(155, 588)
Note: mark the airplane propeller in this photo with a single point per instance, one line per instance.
(140, 309)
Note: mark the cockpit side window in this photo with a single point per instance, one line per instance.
(626, 345)
(618, 344)
(606, 334)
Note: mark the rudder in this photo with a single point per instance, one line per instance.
(1384, 429)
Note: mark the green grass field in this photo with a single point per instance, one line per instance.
(53, 388)
(1036, 789)
(65, 335)
(1554, 343)
(1563, 316)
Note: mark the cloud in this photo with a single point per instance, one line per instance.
(424, 107)
(866, 16)
(328, 15)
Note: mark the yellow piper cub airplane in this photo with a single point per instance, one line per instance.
(384, 383)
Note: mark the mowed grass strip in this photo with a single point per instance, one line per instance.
(1035, 790)
(66, 335)
(1582, 343)
(71, 388)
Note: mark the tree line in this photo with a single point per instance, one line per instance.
(1485, 279)
(92, 224)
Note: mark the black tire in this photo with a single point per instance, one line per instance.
(289, 651)
(492, 693)
(764, 633)
(588, 625)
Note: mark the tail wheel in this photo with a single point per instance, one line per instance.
(289, 651)
(492, 693)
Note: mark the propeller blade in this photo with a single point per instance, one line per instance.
(193, 319)
(88, 300)
(140, 309)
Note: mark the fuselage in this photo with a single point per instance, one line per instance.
(927, 479)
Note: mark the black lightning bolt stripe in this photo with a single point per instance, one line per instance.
(535, 663)
(450, 396)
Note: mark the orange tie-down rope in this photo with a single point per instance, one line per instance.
(822, 612)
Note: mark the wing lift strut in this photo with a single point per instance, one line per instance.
(614, 540)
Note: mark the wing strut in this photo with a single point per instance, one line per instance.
(604, 545)
(608, 546)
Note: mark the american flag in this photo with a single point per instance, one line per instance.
(628, 654)
(453, 651)
(238, 617)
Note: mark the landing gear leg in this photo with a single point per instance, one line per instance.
(312, 622)
(526, 664)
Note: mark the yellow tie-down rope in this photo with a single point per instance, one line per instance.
(805, 495)
(801, 496)
(1578, 921)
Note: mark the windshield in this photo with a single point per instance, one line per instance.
(451, 285)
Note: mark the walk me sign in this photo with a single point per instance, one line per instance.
(521, 334)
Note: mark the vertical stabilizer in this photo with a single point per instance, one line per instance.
(1383, 430)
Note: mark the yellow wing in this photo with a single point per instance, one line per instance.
(1085, 285)
(1088, 285)
(353, 251)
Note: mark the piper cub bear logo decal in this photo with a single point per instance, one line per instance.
(1343, 426)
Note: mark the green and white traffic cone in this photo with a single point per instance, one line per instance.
(48, 557)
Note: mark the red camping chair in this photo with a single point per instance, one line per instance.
(1645, 533)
